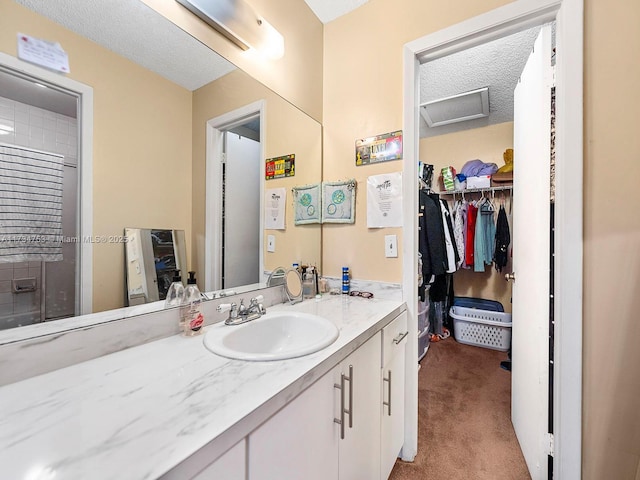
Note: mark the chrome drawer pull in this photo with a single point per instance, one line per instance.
(340, 421)
(350, 411)
(400, 337)
(388, 380)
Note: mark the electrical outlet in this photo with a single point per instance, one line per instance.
(271, 243)
(391, 246)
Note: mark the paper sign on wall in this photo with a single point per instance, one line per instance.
(384, 200)
(274, 208)
(47, 54)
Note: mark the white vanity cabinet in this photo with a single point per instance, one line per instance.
(230, 466)
(360, 448)
(300, 441)
(394, 339)
(304, 439)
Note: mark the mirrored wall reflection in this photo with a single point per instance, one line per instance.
(153, 258)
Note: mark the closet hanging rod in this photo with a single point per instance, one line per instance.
(476, 190)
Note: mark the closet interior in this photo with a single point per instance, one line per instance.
(464, 254)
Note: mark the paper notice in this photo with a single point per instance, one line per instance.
(274, 208)
(384, 200)
(43, 53)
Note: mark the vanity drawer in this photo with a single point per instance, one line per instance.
(394, 336)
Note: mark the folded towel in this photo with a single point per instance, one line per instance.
(30, 205)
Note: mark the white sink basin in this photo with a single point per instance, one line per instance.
(274, 336)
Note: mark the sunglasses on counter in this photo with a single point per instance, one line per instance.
(355, 293)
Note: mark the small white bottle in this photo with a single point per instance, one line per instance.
(175, 294)
(192, 319)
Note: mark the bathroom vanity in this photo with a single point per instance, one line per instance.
(173, 409)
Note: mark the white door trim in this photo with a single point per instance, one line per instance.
(213, 180)
(84, 267)
(568, 210)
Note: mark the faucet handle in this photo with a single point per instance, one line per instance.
(257, 299)
(225, 307)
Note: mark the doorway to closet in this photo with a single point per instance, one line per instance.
(515, 75)
(567, 277)
(234, 191)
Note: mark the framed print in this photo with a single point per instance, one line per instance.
(339, 202)
(307, 204)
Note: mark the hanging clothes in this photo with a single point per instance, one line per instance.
(459, 214)
(452, 254)
(484, 241)
(502, 241)
(472, 213)
(431, 240)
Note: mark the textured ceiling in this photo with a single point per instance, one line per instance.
(135, 31)
(327, 10)
(497, 65)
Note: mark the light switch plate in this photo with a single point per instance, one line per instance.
(271, 243)
(391, 246)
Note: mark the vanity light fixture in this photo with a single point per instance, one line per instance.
(236, 20)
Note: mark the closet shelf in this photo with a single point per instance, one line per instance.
(475, 190)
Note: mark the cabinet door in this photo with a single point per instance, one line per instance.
(300, 441)
(230, 466)
(360, 447)
(392, 411)
(394, 340)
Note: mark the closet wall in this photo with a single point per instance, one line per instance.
(455, 149)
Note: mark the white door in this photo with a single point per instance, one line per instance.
(530, 341)
(241, 254)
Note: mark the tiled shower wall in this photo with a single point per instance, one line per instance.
(41, 130)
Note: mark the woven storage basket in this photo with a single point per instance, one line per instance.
(482, 328)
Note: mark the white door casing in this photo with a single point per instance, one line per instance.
(213, 197)
(84, 93)
(531, 251)
(510, 18)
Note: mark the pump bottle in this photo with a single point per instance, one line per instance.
(192, 317)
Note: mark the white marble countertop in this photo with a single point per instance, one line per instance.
(140, 412)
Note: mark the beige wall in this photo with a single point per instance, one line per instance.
(142, 145)
(363, 88)
(288, 130)
(455, 149)
(297, 76)
(611, 437)
(363, 97)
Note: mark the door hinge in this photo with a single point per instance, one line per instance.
(223, 159)
(550, 444)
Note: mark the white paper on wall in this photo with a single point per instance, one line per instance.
(44, 53)
(384, 200)
(274, 208)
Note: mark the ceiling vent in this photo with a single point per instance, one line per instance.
(458, 108)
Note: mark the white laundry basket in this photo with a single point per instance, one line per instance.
(482, 328)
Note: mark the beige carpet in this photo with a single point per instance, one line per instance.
(464, 425)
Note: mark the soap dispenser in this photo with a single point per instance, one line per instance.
(175, 294)
(192, 319)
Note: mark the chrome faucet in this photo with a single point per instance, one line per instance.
(239, 314)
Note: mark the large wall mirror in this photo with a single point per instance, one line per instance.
(155, 160)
